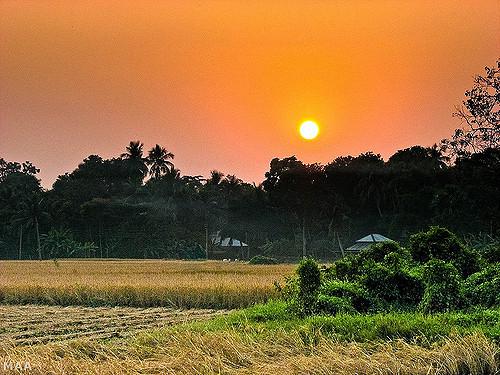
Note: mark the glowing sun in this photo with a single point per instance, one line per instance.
(309, 129)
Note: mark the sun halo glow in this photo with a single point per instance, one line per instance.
(309, 129)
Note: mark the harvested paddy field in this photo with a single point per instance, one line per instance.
(139, 283)
(32, 324)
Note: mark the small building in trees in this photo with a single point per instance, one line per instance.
(227, 248)
(366, 242)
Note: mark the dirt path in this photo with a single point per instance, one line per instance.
(32, 324)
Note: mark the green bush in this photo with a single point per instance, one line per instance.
(442, 287)
(347, 268)
(309, 282)
(397, 286)
(387, 277)
(334, 305)
(260, 259)
(483, 288)
(377, 252)
(440, 243)
(352, 267)
(352, 294)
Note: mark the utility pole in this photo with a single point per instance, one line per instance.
(206, 240)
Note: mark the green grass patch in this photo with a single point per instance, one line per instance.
(412, 327)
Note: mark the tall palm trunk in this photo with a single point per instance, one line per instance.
(38, 239)
(304, 252)
(379, 209)
(20, 242)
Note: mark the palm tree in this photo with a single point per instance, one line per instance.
(134, 150)
(136, 161)
(159, 161)
(30, 215)
(215, 177)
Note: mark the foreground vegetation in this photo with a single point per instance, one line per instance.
(436, 273)
(180, 284)
(265, 340)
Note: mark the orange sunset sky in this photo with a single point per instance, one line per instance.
(224, 84)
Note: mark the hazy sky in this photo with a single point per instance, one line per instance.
(224, 84)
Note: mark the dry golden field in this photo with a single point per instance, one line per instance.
(236, 352)
(139, 283)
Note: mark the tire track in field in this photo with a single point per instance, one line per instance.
(34, 324)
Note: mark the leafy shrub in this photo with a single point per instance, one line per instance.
(483, 288)
(309, 282)
(395, 285)
(335, 296)
(442, 287)
(377, 252)
(347, 268)
(440, 243)
(260, 259)
(333, 305)
(290, 294)
(396, 261)
(352, 267)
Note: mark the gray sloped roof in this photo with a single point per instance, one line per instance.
(374, 238)
(227, 242)
(367, 241)
(231, 242)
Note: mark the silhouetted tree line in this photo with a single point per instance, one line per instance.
(112, 207)
(139, 205)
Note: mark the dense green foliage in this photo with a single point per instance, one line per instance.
(261, 259)
(387, 277)
(483, 288)
(309, 282)
(442, 287)
(440, 243)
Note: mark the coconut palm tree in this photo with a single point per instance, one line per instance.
(134, 150)
(30, 215)
(159, 161)
(136, 161)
